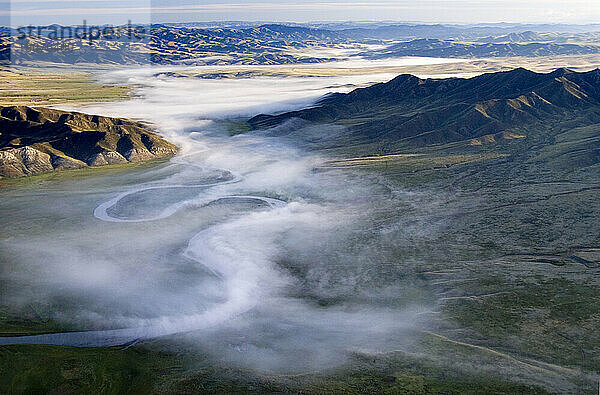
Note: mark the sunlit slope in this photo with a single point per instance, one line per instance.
(39, 140)
(162, 44)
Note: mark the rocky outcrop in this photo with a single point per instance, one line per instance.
(16, 162)
(40, 140)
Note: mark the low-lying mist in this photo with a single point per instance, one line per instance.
(243, 246)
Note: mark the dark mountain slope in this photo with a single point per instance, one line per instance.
(409, 111)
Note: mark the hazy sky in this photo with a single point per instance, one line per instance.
(458, 11)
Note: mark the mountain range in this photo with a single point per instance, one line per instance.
(412, 113)
(504, 46)
(162, 44)
(277, 43)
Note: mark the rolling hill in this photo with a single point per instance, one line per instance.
(163, 44)
(40, 140)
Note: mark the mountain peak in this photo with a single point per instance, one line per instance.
(520, 71)
(404, 78)
(560, 72)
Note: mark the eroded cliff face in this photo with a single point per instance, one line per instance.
(40, 140)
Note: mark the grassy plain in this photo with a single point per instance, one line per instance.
(513, 248)
(54, 86)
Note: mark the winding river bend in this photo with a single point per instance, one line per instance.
(199, 250)
(232, 259)
(238, 242)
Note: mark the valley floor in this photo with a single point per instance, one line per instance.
(499, 250)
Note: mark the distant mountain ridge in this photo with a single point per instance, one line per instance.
(162, 44)
(269, 44)
(498, 47)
